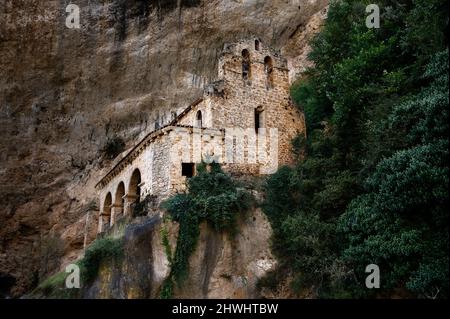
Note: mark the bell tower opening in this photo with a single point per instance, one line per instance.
(268, 69)
(246, 69)
(198, 119)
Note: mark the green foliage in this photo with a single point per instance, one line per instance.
(54, 287)
(212, 197)
(55, 281)
(167, 289)
(186, 242)
(316, 108)
(166, 243)
(100, 250)
(401, 223)
(373, 184)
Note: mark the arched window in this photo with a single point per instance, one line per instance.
(119, 201)
(257, 45)
(134, 189)
(198, 119)
(246, 71)
(268, 69)
(106, 213)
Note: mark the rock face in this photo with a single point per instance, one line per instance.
(65, 92)
(221, 266)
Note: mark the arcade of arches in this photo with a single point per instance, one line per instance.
(123, 202)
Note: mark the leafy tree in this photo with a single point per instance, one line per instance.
(401, 222)
(373, 182)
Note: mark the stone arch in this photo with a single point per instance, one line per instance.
(134, 186)
(106, 212)
(268, 69)
(134, 192)
(119, 202)
(199, 119)
(246, 67)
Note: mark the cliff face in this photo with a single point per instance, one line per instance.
(65, 92)
(222, 266)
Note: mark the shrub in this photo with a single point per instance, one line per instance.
(55, 287)
(167, 289)
(166, 243)
(372, 186)
(99, 251)
(113, 147)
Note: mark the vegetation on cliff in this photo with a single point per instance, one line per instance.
(113, 147)
(101, 250)
(372, 187)
(213, 197)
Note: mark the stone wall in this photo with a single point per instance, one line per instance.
(234, 106)
(242, 97)
(154, 175)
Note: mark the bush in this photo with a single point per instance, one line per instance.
(99, 251)
(55, 287)
(167, 289)
(113, 147)
(401, 222)
(372, 186)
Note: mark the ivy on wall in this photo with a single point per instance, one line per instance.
(212, 196)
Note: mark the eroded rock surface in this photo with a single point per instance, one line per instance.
(222, 266)
(65, 92)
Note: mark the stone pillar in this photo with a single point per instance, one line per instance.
(112, 218)
(100, 224)
(104, 222)
(128, 200)
(106, 218)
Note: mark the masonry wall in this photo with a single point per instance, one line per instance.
(241, 97)
(193, 145)
(190, 119)
(155, 179)
(235, 106)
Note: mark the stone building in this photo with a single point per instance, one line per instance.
(245, 121)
